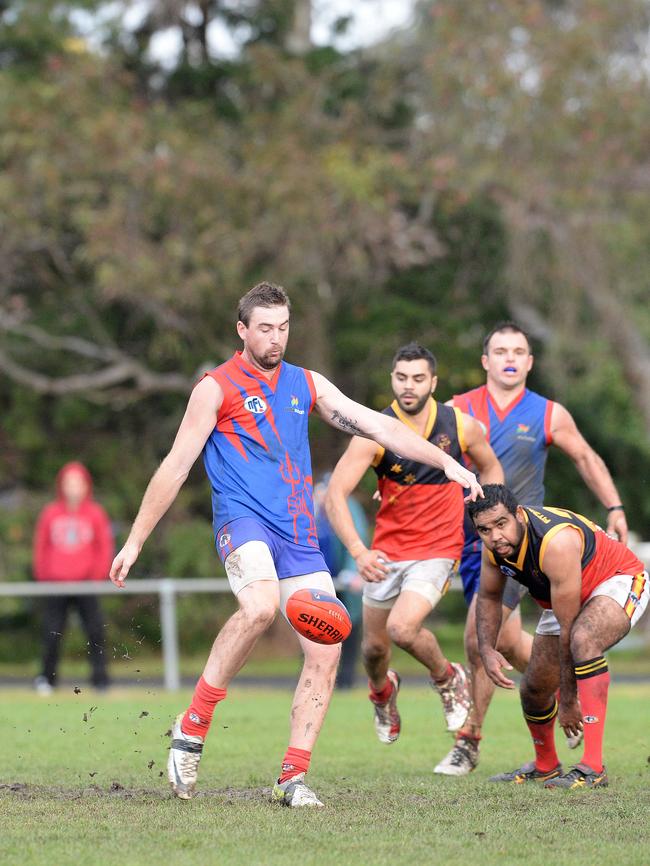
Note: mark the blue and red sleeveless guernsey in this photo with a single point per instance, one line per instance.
(519, 434)
(257, 457)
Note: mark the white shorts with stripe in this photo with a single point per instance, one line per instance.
(630, 591)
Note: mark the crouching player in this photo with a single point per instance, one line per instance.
(593, 590)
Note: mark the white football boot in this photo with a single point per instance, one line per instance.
(456, 697)
(295, 793)
(461, 760)
(387, 719)
(183, 762)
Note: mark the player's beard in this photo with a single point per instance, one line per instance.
(267, 361)
(416, 407)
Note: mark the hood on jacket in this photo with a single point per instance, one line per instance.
(73, 466)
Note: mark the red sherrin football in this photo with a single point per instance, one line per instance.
(318, 616)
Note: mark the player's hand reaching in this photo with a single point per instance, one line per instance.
(123, 562)
(570, 716)
(455, 472)
(493, 662)
(617, 525)
(372, 565)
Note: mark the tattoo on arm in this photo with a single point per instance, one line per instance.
(346, 423)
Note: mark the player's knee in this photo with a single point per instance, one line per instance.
(402, 633)
(507, 649)
(528, 687)
(259, 616)
(374, 648)
(534, 693)
(584, 644)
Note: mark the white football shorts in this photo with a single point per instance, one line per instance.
(430, 578)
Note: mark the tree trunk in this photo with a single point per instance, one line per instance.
(298, 39)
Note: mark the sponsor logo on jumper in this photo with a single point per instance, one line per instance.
(295, 406)
(443, 442)
(255, 405)
(523, 433)
(509, 572)
(224, 540)
(321, 624)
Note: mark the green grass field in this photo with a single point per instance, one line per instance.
(81, 783)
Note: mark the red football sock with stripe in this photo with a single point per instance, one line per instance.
(592, 678)
(198, 716)
(380, 696)
(295, 761)
(541, 727)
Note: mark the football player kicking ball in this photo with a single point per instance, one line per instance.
(418, 538)
(249, 417)
(593, 590)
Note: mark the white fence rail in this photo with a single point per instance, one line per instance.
(167, 588)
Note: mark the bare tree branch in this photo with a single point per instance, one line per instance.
(120, 367)
(145, 380)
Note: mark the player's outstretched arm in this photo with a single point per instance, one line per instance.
(488, 622)
(562, 565)
(197, 424)
(347, 474)
(480, 452)
(591, 466)
(345, 414)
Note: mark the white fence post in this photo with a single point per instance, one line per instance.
(169, 634)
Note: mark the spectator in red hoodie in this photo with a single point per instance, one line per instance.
(73, 542)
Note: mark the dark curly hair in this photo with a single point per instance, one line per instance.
(494, 494)
(415, 352)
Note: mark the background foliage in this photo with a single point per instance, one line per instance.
(491, 161)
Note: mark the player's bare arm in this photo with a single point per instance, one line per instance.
(591, 467)
(345, 414)
(488, 622)
(347, 474)
(197, 424)
(480, 452)
(562, 566)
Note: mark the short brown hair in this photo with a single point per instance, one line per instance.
(261, 295)
(507, 327)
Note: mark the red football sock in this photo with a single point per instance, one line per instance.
(593, 684)
(541, 727)
(198, 716)
(467, 735)
(295, 761)
(449, 672)
(381, 696)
